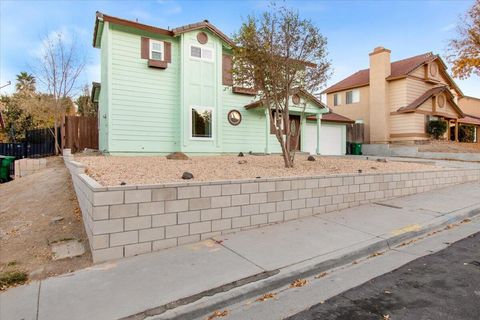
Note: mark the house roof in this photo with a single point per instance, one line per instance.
(427, 95)
(205, 24)
(333, 117)
(469, 119)
(303, 92)
(400, 68)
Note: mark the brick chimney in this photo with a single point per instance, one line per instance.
(380, 69)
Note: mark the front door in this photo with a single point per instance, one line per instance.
(294, 126)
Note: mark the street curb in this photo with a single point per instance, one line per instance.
(208, 304)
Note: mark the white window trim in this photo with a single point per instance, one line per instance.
(339, 99)
(353, 91)
(201, 48)
(212, 110)
(150, 49)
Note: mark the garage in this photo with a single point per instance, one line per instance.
(333, 133)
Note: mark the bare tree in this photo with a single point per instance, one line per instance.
(59, 67)
(280, 54)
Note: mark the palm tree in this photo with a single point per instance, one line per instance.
(25, 83)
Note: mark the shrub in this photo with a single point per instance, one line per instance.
(437, 128)
(12, 278)
(466, 133)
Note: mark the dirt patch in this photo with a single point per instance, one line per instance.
(450, 147)
(30, 221)
(115, 170)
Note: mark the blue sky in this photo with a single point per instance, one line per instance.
(353, 28)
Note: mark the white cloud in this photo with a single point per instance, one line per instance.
(448, 27)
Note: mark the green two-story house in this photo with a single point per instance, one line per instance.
(163, 91)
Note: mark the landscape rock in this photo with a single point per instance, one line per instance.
(241, 154)
(382, 160)
(123, 183)
(242, 161)
(56, 219)
(311, 158)
(187, 175)
(177, 156)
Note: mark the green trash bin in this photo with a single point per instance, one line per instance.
(357, 149)
(5, 168)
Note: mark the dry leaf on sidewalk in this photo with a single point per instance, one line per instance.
(375, 254)
(386, 317)
(266, 296)
(320, 275)
(218, 314)
(298, 283)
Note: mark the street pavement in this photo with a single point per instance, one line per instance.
(324, 289)
(187, 280)
(440, 286)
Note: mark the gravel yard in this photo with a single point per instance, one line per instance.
(113, 170)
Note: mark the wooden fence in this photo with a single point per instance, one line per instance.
(79, 133)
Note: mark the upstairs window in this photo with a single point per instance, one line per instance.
(337, 99)
(201, 53)
(353, 96)
(157, 50)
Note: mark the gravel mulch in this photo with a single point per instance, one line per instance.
(113, 170)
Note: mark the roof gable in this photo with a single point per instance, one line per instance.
(400, 68)
(205, 24)
(415, 104)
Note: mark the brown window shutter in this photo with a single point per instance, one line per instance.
(168, 51)
(227, 78)
(145, 48)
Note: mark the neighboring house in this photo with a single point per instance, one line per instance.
(166, 90)
(395, 100)
(471, 107)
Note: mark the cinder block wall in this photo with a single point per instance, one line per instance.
(123, 221)
(25, 167)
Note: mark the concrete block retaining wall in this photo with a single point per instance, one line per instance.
(123, 221)
(25, 167)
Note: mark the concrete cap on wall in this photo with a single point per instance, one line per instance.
(379, 50)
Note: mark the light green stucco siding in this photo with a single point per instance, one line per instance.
(148, 110)
(249, 135)
(103, 98)
(145, 104)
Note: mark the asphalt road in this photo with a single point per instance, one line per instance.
(440, 286)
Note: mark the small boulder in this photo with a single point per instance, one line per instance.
(360, 171)
(242, 161)
(177, 156)
(382, 160)
(187, 175)
(241, 154)
(311, 158)
(56, 219)
(123, 183)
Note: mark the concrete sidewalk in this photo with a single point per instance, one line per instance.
(243, 263)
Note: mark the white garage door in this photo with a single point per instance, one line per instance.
(331, 138)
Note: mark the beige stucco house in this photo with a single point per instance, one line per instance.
(395, 100)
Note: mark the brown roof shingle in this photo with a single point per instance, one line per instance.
(333, 117)
(420, 100)
(398, 68)
(427, 95)
(469, 119)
